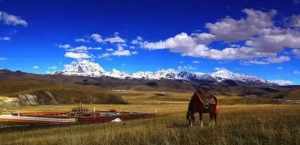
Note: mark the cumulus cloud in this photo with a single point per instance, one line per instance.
(275, 42)
(77, 55)
(12, 20)
(83, 48)
(181, 42)
(105, 55)
(80, 48)
(230, 29)
(269, 60)
(120, 51)
(137, 41)
(109, 49)
(188, 45)
(115, 39)
(255, 39)
(64, 46)
(97, 37)
(81, 40)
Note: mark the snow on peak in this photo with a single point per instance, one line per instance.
(222, 74)
(282, 82)
(93, 69)
(161, 74)
(83, 68)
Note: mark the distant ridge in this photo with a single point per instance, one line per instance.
(91, 69)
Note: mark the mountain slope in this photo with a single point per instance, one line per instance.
(91, 69)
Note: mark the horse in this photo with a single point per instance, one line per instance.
(202, 102)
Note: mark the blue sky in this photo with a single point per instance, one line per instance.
(260, 38)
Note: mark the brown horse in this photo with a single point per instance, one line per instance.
(202, 102)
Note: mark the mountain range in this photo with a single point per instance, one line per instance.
(92, 69)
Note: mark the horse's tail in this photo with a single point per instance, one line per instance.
(189, 111)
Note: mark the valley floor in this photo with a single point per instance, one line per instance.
(238, 123)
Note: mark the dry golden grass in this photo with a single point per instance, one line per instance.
(245, 124)
(238, 124)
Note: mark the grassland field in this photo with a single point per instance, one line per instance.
(241, 121)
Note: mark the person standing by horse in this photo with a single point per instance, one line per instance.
(202, 102)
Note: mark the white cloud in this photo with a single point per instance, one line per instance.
(12, 20)
(275, 42)
(119, 52)
(105, 55)
(115, 39)
(97, 37)
(109, 49)
(179, 43)
(188, 46)
(203, 38)
(6, 38)
(3, 58)
(36, 67)
(77, 55)
(83, 48)
(64, 46)
(253, 39)
(134, 52)
(269, 60)
(230, 29)
(282, 82)
(81, 40)
(138, 41)
(196, 62)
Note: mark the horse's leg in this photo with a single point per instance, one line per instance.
(215, 118)
(190, 119)
(212, 119)
(200, 118)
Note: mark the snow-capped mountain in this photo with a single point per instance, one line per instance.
(92, 69)
(224, 74)
(162, 74)
(83, 68)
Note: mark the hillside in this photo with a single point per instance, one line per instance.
(34, 89)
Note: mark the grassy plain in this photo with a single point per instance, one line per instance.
(241, 122)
